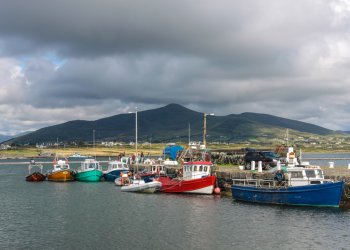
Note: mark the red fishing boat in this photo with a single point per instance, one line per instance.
(195, 178)
(36, 176)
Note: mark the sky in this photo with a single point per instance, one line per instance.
(86, 59)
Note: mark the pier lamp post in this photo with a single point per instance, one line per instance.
(205, 129)
(135, 131)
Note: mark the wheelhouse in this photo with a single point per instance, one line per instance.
(90, 164)
(196, 170)
(305, 175)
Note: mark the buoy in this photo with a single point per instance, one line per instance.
(217, 190)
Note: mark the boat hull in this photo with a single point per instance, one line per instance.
(61, 175)
(325, 195)
(89, 176)
(203, 185)
(142, 187)
(36, 177)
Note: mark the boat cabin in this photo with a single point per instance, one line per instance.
(60, 165)
(116, 165)
(305, 175)
(158, 169)
(33, 165)
(90, 164)
(196, 170)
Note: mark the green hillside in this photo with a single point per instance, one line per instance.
(171, 123)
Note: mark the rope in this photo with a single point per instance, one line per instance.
(347, 193)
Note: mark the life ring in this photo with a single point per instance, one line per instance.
(279, 176)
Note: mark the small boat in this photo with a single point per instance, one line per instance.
(142, 186)
(302, 186)
(114, 169)
(77, 155)
(90, 170)
(61, 171)
(36, 176)
(196, 179)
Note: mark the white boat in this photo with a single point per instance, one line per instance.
(77, 155)
(141, 186)
(138, 184)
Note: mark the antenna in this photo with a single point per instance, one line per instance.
(287, 135)
(189, 134)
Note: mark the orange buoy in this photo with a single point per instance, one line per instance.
(217, 190)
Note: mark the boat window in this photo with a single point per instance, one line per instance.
(310, 173)
(297, 174)
(205, 168)
(194, 168)
(200, 168)
(320, 173)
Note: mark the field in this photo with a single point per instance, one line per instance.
(155, 149)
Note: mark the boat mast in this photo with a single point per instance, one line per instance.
(93, 141)
(205, 131)
(189, 140)
(137, 166)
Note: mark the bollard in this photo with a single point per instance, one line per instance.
(259, 166)
(331, 164)
(253, 165)
(279, 166)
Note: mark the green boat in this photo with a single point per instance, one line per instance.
(90, 170)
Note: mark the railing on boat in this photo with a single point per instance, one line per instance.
(262, 183)
(259, 183)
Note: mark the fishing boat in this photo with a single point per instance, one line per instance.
(114, 170)
(61, 171)
(299, 185)
(37, 175)
(90, 171)
(196, 179)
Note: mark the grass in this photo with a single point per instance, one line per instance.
(154, 149)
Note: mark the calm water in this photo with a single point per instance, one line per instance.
(98, 216)
(339, 159)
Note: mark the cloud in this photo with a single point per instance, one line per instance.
(69, 60)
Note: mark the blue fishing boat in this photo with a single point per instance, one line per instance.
(302, 186)
(114, 169)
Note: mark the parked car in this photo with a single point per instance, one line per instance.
(269, 159)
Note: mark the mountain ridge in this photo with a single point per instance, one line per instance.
(170, 123)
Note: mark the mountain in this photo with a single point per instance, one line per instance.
(4, 138)
(171, 123)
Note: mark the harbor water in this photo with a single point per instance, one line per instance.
(80, 215)
(323, 160)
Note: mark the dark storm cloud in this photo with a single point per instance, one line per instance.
(79, 57)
